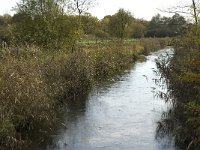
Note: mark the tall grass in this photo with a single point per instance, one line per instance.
(34, 83)
(152, 44)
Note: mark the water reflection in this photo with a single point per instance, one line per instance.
(120, 116)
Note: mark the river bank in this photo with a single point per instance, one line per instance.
(35, 83)
(182, 75)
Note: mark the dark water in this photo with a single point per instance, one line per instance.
(121, 116)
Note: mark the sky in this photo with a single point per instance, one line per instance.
(139, 8)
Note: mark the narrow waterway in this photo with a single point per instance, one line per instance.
(118, 116)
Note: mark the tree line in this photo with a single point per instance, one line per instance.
(51, 23)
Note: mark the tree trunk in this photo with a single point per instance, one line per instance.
(195, 12)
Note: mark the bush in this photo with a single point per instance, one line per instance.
(183, 75)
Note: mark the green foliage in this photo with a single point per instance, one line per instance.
(137, 28)
(89, 23)
(166, 26)
(119, 23)
(43, 23)
(5, 21)
(104, 24)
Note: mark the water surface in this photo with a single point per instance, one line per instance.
(121, 116)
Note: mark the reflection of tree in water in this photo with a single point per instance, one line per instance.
(73, 109)
(165, 126)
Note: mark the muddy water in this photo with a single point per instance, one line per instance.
(121, 116)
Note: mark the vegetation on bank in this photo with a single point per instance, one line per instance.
(34, 83)
(181, 72)
(182, 75)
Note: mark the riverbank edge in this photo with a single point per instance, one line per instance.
(182, 74)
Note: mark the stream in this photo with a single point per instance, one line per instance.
(117, 116)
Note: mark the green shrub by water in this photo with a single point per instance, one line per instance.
(182, 74)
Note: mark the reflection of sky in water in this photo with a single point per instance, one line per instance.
(120, 117)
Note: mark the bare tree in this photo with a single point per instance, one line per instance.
(192, 9)
(195, 11)
(80, 6)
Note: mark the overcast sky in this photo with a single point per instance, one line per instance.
(139, 8)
